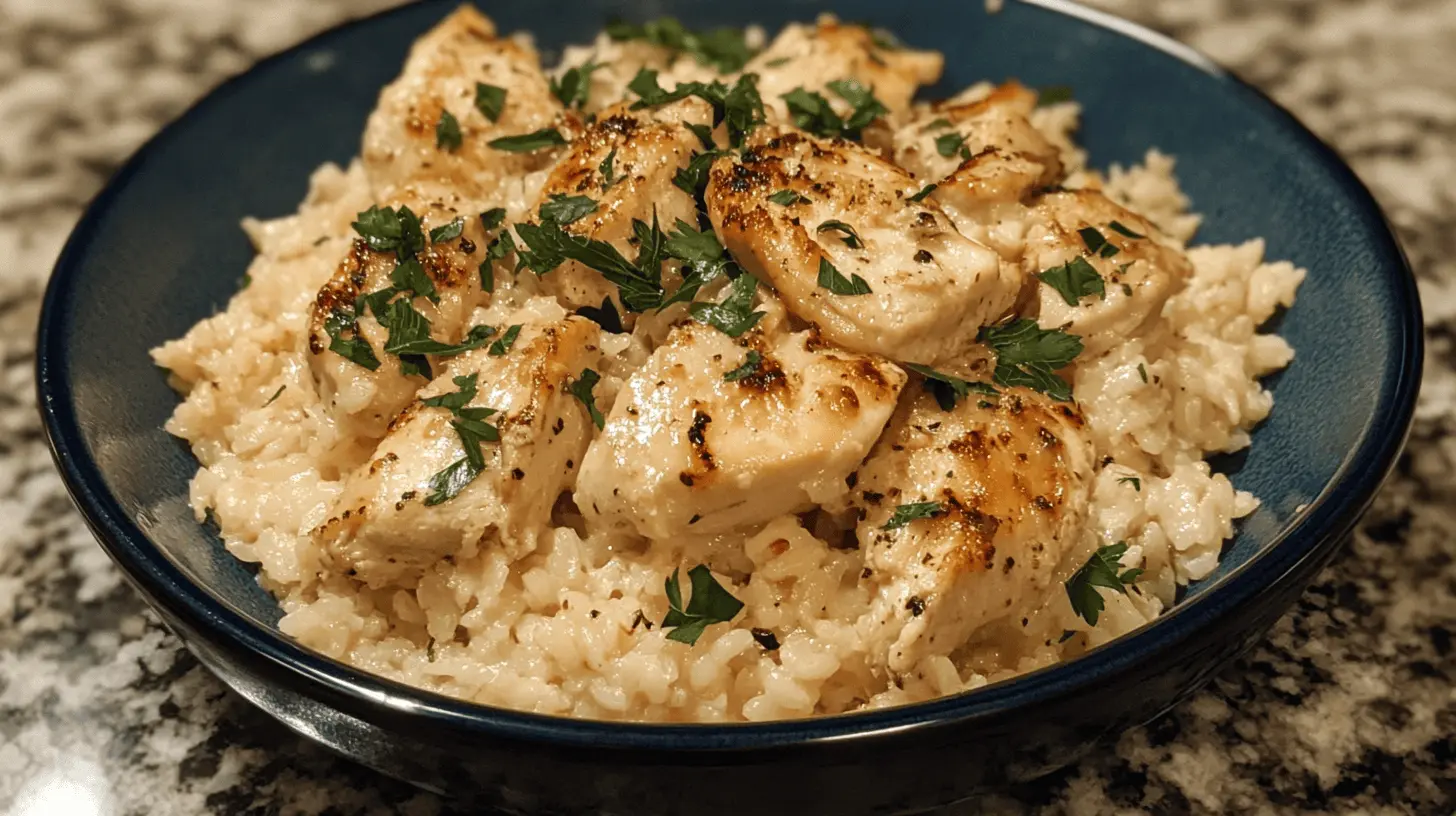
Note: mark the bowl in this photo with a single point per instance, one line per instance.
(160, 248)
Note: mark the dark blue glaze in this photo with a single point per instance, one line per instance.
(160, 248)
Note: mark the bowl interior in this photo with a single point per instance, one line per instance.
(162, 248)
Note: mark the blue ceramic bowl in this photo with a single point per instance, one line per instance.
(160, 249)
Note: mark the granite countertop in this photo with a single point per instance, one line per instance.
(1349, 706)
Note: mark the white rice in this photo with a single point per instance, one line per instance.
(569, 629)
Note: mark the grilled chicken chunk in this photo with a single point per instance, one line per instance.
(363, 400)
(384, 529)
(1138, 278)
(688, 450)
(811, 56)
(647, 148)
(407, 152)
(930, 288)
(1011, 476)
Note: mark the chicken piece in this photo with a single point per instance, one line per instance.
(405, 153)
(616, 63)
(1011, 476)
(362, 400)
(688, 450)
(931, 288)
(811, 56)
(985, 158)
(1137, 280)
(383, 528)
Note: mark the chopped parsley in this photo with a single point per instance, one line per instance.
(1123, 230)
(704, 260)
(1053, 95)
(831, 279)
(503, 345)
(473, 430)
(848, 235)
(866, 108)
(735, 314)
(493, 218)
(605, 315)
(447, 232)
(456, 400)
(575, 85)
(548, 245)
(501, 246)
(528, 142)
(409, 333)
(724, 49)
(1097, 243)
(354, 347)
(740, 106)
(1137, 484)
(607, 170)
(750, 366)
(1074, 280)
(947, 389)
(581, 388)
(562, 209)
(386, 229)
(276, 395)
(447, 132)
(924, 191)
(703, 132)
(693, 179)
(709, 604)
(906, 513)
(952, 143)
(1101, 570)
(1143, 372)
(447, 484)
(787, 198)
(490, 100)
(1029, 355)
(937, 124)
(811, 111)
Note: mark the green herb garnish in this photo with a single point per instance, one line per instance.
(866, 108)
(562, 209)
(490, 100)
(605, 315)
(447, 232)
(949, 144)
(709, 604)
(722, 48)
(470, 426)
(493, 218)
(581, 388)
(787, 198)
(751, 364)
(607, 170)
(548, 245)
(924, 191)
(527, 142)
(499, 247)
(575, 85)
(1074, 280)
(947, 389)
(1029, 355)
(1143, 372)
(1119, 228)
(693, 179)
(276, 395)
(447, 132)
(906, 513)
(937, 124)
(354, 347)
(849, 236)
(1101, 570)
(831, 279)
(388, 230)
(734, 315)
(503, 345)
(1137, 484)
(703, 132)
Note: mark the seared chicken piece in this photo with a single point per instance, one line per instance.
(647, 147)
(381, 528)
(363, 400)
(1011, 476)
(687, 450)
(408, 153)
(811, 56)
(1137, 279)
(930, 288)
(985, 159)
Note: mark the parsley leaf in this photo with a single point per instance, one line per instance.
(1053, 95)
(456, 400)
(704, 259)
(740, 106)
(743, 109)
(866, 107)
(447, 132)
(1137, 484)
(1029, 355)
(605, 315)
(1143, 372)
(812, 112)
(1101, 570)
(1097, 243)
(561, 209)
(906, 513)
(473, 431)
(937, 124)
(503, 345)
(354, 348)
(733, 316)
(499, 247)
(448, 483)
(750, 366)
(831, 279)
(388, 230)
(924, 191)
(850, 237)
(493, 218)
(1074, 280)
(527, 142)
(582, 390)
(409, 276)
(448, 232)
(949, 144)
(710, 603)
(575, 84)
(1120, 228)
(722, 48)
(787, 198)
(548, 245)
(490, 100)
(607, 170)
(693, 179)
(947, 389)
(704, 134)
(276, 395)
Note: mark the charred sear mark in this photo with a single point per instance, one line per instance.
(768, 379)
(915, 605)
(697, 437)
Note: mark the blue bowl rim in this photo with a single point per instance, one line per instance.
(1320, 526)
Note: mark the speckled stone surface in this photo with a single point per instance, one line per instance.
(1350, 705)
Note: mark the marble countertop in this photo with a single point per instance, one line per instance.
(1349, 705)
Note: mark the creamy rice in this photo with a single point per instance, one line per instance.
(572, 628)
